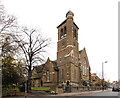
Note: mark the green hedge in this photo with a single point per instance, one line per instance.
(10, 91)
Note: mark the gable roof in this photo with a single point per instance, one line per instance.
(83, 50)
(40, 68)
(80, 51)
(55, 65)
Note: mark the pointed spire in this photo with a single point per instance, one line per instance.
(84, 48)
(48, 59)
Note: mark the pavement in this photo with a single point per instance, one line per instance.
(34, 94)
(80, 93)
(39, 94)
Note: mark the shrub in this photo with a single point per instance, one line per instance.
(10, 91)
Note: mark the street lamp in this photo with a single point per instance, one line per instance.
(25, 69)
(103, 74)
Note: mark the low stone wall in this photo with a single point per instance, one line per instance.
(56, 90)
(74, 89)
(59, 90)
(80, 89)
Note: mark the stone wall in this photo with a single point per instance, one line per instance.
(56, 90)
(74, 89)
(80, 89)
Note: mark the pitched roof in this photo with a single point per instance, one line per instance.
(75, 25)
(65, 22)
(61, 23)
(39, 68)
(80, 51)
(55, 65)
(83, 50)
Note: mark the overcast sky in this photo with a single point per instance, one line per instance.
(97, 21)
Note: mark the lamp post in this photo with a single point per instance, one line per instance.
(25, 69)
(26, 86)
(103, 75)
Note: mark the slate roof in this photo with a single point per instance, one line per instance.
(55, 65)
(39, 70)
(80, 51)
(62, 23)
(65, 22)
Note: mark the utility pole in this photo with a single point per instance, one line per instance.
(103, 75)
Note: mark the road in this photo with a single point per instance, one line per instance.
(107, 93)
(100, 93)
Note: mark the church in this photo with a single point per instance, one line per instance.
(71, 67)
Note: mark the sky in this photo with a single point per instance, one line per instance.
(97, 21)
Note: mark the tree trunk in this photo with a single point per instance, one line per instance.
(29, 80)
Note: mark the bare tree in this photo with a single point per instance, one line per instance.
(7, 22)
(33, 46)
(8, 28)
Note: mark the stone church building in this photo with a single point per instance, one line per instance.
(71, 67)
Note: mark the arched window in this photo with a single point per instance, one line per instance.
(65, 32)
(62, 73)
(75, 34)
(74, 74)
(83, 70)
(63, 43)
(60, 59)
(84, 60)
(74, 43)
(61, 34)
(47, 76)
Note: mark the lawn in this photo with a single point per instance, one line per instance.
(41, 88)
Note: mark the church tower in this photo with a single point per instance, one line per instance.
(68, 52)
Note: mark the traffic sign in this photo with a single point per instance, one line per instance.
(108, 83)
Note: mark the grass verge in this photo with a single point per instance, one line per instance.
(41, 88)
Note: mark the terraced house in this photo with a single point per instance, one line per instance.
(71, 67)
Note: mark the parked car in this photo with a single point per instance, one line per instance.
(116, 88)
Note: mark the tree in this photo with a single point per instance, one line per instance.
(9, 72)
(7, 22)
(8, 27)
(9, 47)
(33, 47)
(11, 69)
(9, 51)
